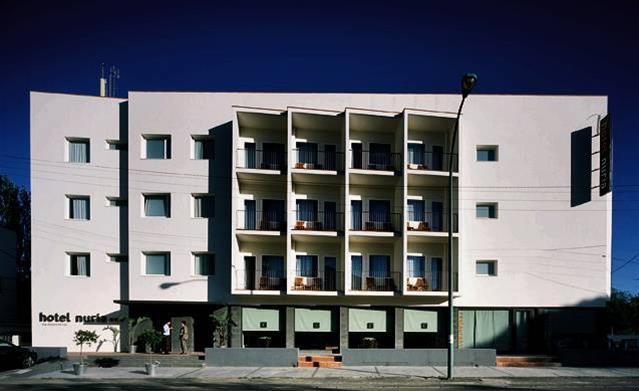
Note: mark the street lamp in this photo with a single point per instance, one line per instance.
(467, 83)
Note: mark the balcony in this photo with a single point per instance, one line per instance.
(430, 282)
(375, 161)
(382, 281)
(259, 280)
(313, 160)
(422, 161)
(319, 221)
(328, 281)
(268, 160)
(430, 222)
(272, 221)
(375, 222)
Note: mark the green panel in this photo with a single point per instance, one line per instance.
(468, 328)
(259, 319)
(312, 320)
(371, 321)
(418, 321)
(501, 321)
(492, 329)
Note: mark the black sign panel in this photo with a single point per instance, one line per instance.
(605, 162)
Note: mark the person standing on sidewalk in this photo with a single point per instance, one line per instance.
(166, 333)
(184, 337)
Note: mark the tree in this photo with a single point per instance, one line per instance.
(84, 337)
(623, 312)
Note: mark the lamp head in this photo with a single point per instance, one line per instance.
(467, 83)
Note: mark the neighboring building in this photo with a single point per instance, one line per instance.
(319, 220)
(8, 290)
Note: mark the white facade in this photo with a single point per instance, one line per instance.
(548, 254)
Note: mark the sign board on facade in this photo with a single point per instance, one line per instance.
(605, 163)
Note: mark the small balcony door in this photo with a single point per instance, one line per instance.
(306, 266)
(249, 150)
(415, 210)
(273, 156)
(249, 273)
(273, 214)
(306, 210)
(379, 213)
(357, 155)
(356, 215)
(307, 154)
(438, 158)
(437, 209)
(330, 273)
(379, 266)
(435, 273)
(379, 156)
(330, 216)
(330, 157)
(356, 272)
(249, 214)
(416, 154)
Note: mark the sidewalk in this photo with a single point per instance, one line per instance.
(346, 372)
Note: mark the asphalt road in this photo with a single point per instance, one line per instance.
(608, 384)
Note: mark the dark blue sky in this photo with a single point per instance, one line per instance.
(561, 47)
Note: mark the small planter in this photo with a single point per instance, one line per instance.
(133, 348)
(151, 368)
(79, 369)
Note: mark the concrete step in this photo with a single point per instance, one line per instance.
(315, 361)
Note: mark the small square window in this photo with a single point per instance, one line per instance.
(487, 153)
(79, 264)
(203, 147)
(486, 268)
(156, 147)
(486, 210)
(116, 201)
(157, 205)
(78, 150)
(203, 206)
(157, 263)
(263, 325)
(79, 208)
(204, 264)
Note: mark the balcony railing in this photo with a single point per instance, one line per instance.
(367, 160)
(262, 280)
(319, 221)
(260, 220)
(430, 161)
(375, 222)
(329, 281)
(376, 281)
(431, 222)
(265, 160)
(318, 160)
(429, 282)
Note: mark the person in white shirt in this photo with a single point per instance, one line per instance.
(166, 332)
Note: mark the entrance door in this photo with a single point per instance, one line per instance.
(249, 273)
(522, 330)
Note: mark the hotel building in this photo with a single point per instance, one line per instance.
(317, 220)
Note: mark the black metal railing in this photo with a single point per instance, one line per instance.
(261, 220)
(367, 160)
(433, 161)
(429, 281)
(257, 279)
(265, 160)
(318, 160)
(431, 222)
(328, 281)
(318, 221)
(380, 281)
(374, 221)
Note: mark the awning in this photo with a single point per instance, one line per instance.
(372, 321)
(419, 321)
(312, 320)
(260, 319)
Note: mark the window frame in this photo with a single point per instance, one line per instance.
(69, 268)
(203, 138)
(194, 197)
(194, 257)
(154, 137)
(67, 149)
(495, 207)
(489, 148)
(167, 264)
(69, 206)
(167, 207)
(489, 262)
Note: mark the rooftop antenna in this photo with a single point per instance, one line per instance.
(108, 80)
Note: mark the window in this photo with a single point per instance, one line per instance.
(80, 264)
(117, 257)
(157, 205)
(486, 268)
(204, 264)
(157, 264)
(116, 145)
(306, 210)
(415, 153)
(416, 210)
(379, 266)
(116, 201)
(203, 147)
(156, 147)
(203, 205)
(486, 210)
(306, 265)
(416, 266)
(79, 208)
(486, 153)
(78, 150)
(273, 266)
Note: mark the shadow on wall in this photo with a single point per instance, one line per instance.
(580, 166)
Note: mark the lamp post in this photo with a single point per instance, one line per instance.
(467, 83)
